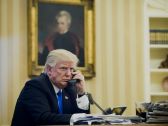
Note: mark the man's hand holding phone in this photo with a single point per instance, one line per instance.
(80, 84)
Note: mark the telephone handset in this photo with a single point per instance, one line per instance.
(73, 81)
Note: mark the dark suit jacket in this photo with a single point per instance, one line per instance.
(37, 104)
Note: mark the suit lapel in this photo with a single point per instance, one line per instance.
(68, 95)
(52, 93)
(67, 105)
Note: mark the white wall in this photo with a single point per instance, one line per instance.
(120, 68)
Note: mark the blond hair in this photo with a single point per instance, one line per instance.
(59, 55)
(66, 14)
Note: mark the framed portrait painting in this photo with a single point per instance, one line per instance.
(61, 24)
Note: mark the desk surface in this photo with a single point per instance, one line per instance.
(140, 124)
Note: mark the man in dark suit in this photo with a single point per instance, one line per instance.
(50, 98)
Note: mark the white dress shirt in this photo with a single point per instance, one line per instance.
(82, 102)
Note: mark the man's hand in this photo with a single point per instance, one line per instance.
(81, 84)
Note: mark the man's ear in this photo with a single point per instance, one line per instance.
(49, 70)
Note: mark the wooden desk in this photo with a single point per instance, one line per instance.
(140, 124)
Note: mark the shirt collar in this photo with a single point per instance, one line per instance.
(56, 89)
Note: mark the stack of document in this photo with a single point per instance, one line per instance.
(159, 113)
(107, 119)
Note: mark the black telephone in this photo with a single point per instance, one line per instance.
(73, 81)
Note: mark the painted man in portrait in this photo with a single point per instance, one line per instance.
(62, 38)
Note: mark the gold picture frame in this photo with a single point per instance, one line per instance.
(41, 28)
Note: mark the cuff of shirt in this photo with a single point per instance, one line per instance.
(80, 95)
(83, 102)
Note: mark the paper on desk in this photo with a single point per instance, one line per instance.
(101, 119)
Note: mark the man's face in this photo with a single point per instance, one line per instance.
(62, 24)
(62, 73)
